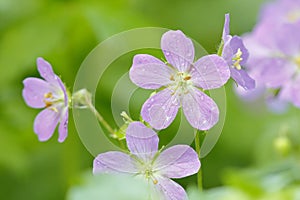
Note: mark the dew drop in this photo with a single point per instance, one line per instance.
(168, 118)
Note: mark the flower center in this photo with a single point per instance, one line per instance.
(49, 100)
(148, 173)
(237, 58)
(181, 82)
(293, 16)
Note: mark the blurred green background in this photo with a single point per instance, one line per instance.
(64, 32)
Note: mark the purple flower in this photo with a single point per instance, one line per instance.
(235, 54)
(274, 54)
(280, 12)
(50, 94)
(275, 63)
(147, 162)
(180, 79)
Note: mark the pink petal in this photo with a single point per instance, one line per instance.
(148, 72)
(141, 141)
(63, 126)
(46, 122)
(46, 71)
(177, 162)
(34, 91)
(170, 189)
(160, 110)
(200, 110)
(178, 49)
(210, 72)
(114, 162)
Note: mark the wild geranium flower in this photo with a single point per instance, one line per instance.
(273, 47)
(275, 62)
(287, 11)
(236, 55)
(50, 94)
(146, 162)
(181, 79)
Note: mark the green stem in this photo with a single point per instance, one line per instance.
(104, 123)
(220, 49)
(101, 119)
(198, 150)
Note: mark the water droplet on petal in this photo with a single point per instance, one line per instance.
(168, 118)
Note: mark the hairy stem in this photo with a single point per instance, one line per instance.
(101, 119)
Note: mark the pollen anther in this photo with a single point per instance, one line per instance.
(48, 95)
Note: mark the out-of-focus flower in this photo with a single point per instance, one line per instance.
(50, 94)
(236, 55)
(181, 79)
(278, 64)
(146, 162)
(280, 12)
(274, 52)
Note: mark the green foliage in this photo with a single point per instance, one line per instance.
(119, 187)
(64, 32)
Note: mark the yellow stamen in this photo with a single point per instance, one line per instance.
(237, 58)
(48, 103)
(155, 181)
(187, 78)
(54, 109)
(172, 78)
(48, 95)
(297, 61)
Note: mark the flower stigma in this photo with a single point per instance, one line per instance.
(149, 175)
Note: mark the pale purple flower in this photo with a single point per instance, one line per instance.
(180, 79)
(275, 62)
(236, 55)
(146, 162)
(280, 12)
(50, 94)
(274, 53)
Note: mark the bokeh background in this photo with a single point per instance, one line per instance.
(257, 155)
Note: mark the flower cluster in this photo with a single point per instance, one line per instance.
(274, 47)
(181, 82)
